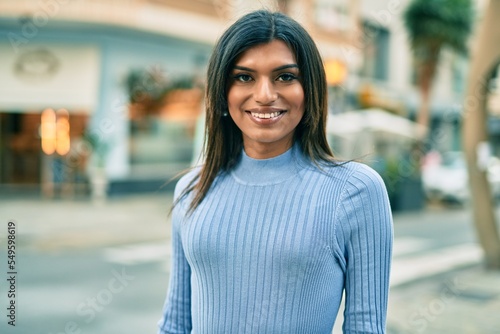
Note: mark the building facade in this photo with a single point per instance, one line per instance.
(116, 86)
(388, 77)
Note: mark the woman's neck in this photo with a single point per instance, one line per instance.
(269, 171)
(258, 150)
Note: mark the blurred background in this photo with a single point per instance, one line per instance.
(101, 106)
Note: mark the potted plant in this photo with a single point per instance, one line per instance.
(96, 167)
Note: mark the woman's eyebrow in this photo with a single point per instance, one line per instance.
(283, 67)
(243, 68)
(279, 68)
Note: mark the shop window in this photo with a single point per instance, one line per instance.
(375, 52)
(24, 161)
(163, 113)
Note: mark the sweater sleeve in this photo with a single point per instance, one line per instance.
(364, 235)
(176, 317)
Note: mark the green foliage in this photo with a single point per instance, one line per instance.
(433, 24)
(149, 86)
(143, 85)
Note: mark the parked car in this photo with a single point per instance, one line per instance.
(447, 179)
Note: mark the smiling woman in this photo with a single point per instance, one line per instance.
(271, 230)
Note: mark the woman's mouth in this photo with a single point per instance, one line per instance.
(267, 115)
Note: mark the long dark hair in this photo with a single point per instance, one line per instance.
(223, 139)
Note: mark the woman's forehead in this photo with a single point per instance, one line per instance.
(276, 51)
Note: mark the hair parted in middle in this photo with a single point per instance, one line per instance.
(223, 139)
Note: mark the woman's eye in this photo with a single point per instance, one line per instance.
(287, 77)
(243, 77)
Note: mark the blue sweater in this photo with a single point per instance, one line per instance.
(273, 246)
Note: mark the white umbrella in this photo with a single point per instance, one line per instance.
(371, 120)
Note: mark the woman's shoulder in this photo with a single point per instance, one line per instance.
(354, 173)
(362, 170)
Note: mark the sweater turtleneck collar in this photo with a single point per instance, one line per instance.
(273, 170)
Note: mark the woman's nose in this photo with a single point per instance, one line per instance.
(265, 92)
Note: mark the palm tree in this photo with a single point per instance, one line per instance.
(433, 25)
(485, 59)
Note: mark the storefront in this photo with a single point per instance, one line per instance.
(78, 75)
(38, 77)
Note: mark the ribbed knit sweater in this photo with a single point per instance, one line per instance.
(273, 246)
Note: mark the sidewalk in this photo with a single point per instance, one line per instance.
(444, 290)
(58, 225)
(466, 301)
(438, 285)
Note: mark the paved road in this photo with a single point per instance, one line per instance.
(78, 292)
(103, 268)
(70, 281)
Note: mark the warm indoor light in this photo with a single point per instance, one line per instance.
(336, 72)
(62, 132)
(48, 131)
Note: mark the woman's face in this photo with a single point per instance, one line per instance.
(266, 98)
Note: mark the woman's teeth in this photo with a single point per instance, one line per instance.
(271, 115)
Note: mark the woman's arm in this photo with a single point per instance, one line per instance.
(176, 317)
(364, 233)
(177, 310)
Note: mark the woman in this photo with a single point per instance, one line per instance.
(270, 231)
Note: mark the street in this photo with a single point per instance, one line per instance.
(78, 292)
(70, 279)
(87, 267)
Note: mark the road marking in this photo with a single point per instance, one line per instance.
(138, 253)
(434, 262)
(407, 245)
